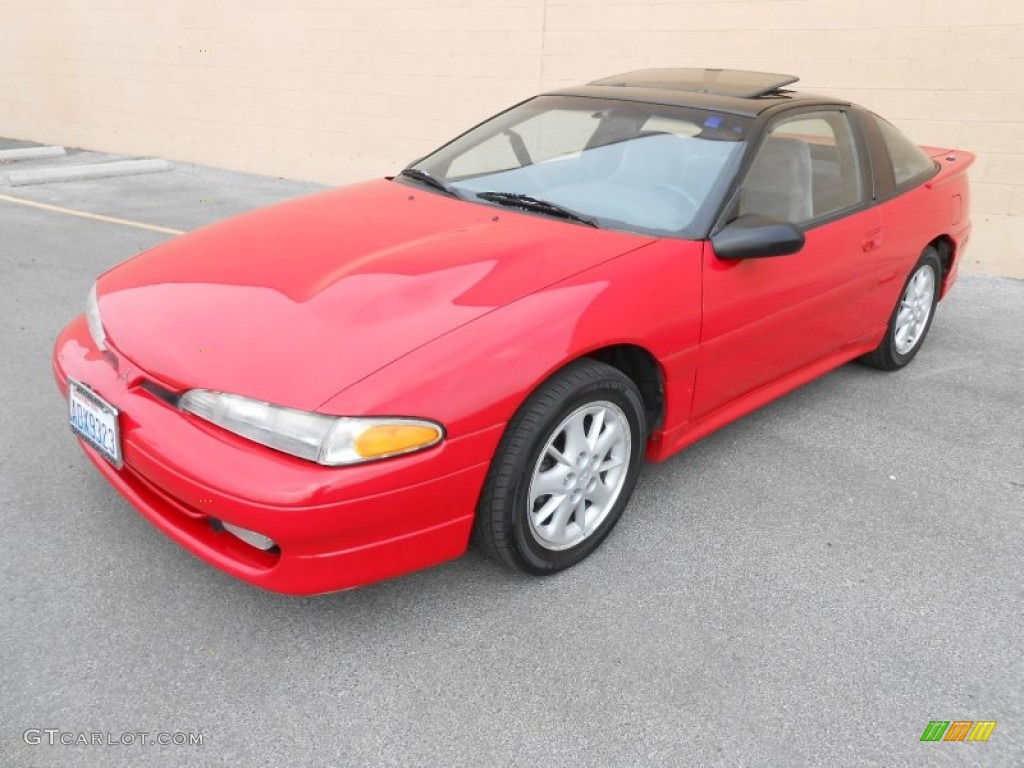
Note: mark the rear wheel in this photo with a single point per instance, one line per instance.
(564, 470)
(912, 316)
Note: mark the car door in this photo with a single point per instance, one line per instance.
(766, 318)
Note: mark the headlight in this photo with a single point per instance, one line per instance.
(329, 440)
(92, 316)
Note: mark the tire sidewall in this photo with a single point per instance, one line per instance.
(536, 558)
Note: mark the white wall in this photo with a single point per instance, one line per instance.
(341, 90)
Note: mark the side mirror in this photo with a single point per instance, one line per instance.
(754, 237)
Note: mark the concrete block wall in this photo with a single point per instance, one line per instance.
(340, 90)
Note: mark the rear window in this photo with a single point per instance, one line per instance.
(910, 165)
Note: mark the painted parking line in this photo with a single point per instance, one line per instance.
(92, 216)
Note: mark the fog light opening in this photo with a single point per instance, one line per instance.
(251, 538)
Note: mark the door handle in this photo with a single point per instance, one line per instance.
(872, 241)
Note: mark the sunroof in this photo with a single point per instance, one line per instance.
(724, 82)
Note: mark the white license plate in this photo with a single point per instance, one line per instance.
(95, 420)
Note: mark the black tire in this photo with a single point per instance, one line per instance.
(502, 528)
(886, 357)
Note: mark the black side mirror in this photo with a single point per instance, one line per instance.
(754, 237)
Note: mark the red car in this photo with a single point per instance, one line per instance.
(347, 387)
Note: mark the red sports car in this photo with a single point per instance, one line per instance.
(347, 387)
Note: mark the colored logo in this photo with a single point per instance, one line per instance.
(958, 730)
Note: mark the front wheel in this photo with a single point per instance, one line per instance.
(912, 316)
(564, 470)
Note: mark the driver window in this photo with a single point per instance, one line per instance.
(806, 168)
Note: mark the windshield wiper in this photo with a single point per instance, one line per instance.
(425, 178)
(528, 203)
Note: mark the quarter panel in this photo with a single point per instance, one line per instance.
(918, 216)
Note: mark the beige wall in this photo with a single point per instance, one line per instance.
(338, 90)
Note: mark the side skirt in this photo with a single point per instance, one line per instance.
(668, 443)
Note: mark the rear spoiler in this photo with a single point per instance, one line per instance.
(952, 162)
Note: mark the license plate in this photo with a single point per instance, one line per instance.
(95, 421)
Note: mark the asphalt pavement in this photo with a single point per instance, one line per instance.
(810, 586)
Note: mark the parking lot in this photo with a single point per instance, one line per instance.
(809, 586)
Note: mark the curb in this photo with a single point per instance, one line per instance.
(91, 171)
(31, 153)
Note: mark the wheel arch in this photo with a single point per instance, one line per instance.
(643, 369)
(946, 247)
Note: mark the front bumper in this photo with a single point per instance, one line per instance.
(335, 528)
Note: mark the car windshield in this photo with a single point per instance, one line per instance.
(635, 166)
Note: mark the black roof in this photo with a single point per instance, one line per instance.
(726, 90)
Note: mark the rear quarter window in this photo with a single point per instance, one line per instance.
(910, 165)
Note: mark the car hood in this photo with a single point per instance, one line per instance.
(292, 303)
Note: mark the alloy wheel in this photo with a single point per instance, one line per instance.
(579, 475)
(915, 309)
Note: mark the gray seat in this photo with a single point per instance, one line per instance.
(779, 181)
(648, 160)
